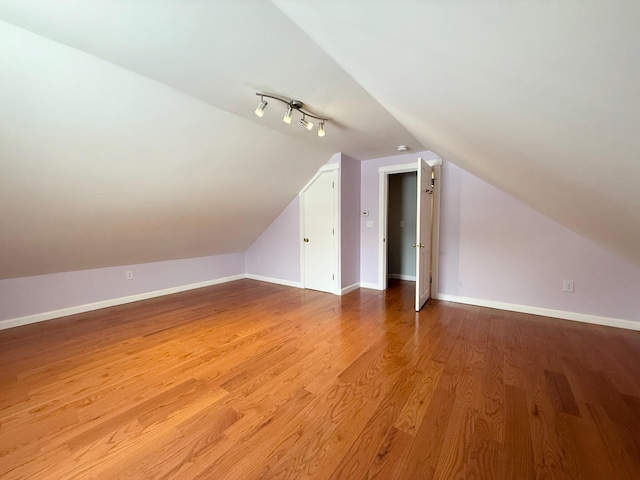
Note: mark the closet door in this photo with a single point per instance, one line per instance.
(319, 222)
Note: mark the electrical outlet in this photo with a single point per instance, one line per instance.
(567, 286)
(128, 275)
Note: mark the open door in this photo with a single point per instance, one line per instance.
(423, 234)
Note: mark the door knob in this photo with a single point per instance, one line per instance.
(306, 239)
(414, 245)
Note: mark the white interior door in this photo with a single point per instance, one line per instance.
(318, 233)
(423, 235)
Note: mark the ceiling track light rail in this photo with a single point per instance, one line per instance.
(292, 105)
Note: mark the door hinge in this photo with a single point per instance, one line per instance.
(333, 231)
(333, 184)
(333, 277)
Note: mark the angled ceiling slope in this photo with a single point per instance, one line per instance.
(128, 132)
(222, 52)
(541, 99)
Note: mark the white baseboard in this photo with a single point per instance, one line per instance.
(288, 283)
(400, 276)
(41, 317)
(562, 314)
(350, 288)
(545, 312)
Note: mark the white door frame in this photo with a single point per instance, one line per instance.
(336, 226)
(383, 195)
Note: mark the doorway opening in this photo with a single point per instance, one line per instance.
(401, 226)
(427, 215)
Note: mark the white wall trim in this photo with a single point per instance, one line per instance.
(350, 288)
(337, 231)
(402, 168)
(546, 312)
(278, 281)
(383, 194)
(435, 227)
(88, 307)
(325, 168)
(329, 167)
(301, 234)
(401, 276)
(373, 286)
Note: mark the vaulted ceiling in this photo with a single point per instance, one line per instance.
(127, 131)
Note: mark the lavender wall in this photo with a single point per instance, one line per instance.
(493, 247)
(369, 200)
(25, 296)
(350, 221)
(276, 253)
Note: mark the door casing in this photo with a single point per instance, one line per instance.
(336, 226)
(383, 195)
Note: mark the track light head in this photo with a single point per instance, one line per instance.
(307, 124)
(321, 129)
(260, 110)
(288, 115)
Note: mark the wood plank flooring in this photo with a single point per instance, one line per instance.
(249, 380)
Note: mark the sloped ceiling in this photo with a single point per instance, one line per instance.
(128, 133)
(139, 142)
(539, 98)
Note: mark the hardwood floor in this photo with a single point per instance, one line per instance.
(248, 380)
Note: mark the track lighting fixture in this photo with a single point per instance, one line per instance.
(291, 106)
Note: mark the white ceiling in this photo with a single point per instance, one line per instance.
(146, 147)
(541, 99)
(222, 52)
